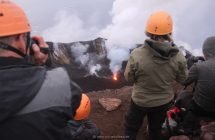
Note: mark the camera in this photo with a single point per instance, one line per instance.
(42, 49)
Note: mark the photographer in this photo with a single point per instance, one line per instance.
(35, 104)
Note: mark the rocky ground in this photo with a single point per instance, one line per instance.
(111, 122)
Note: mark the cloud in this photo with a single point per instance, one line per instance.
(192, 23)
(68, 28)
(42, 13)
(68, 21)
(126, 21)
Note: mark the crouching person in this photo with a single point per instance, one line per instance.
(203, 75)
(81, 128)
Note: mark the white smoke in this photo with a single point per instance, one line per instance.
(129, 21)
(117, 54)
(68, 28)
(197, 52)
(124, 32)
(94, 69)
(87, 60)
(80, 53)
(194, 51)
(127, 28)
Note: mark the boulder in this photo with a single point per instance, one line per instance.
(110, 104)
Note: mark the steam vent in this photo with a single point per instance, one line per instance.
(88, 63)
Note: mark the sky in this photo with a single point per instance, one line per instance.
(73, 20)
(78, 16)
(122, 22)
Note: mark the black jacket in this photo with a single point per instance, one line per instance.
(35, 104)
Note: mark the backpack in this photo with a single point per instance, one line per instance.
(176, 115)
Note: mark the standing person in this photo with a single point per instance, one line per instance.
(35, 104)
(152, 68)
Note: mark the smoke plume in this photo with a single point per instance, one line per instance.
(68, 28)
(192, 24)
(129, 21)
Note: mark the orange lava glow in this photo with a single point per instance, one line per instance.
(115, 77)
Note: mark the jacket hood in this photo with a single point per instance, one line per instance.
(19, 84)
(163, 50)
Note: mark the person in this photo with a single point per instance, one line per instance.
(203, 98)
(81, 127)
(152, 68)
(191, 59)
(35, 103)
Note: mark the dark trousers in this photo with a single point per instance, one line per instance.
(191, 120)
(135, 117)
(199, 111)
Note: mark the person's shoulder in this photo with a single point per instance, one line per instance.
(57, 70)
(180, 56)
(57, 73)
(205, 64)
(138, 50)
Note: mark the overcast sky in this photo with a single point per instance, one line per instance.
(121, 21)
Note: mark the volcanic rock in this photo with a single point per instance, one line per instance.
(181, 137)
(208, 131)
(88, 64)
(110, 104)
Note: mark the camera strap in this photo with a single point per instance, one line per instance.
(28, 42)
(10, 48)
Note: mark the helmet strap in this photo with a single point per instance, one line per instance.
(28, 44)
(10, 48)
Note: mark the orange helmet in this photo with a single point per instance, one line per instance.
(12, 19)
(83, 110)
(159, 23)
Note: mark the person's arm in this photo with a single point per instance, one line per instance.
(194, 59)
(75, 90)
(130, 70)
(182, 70)
(192, 76)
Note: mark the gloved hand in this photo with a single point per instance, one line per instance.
(197, 58)
(194, 59)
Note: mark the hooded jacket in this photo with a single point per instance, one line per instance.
(153, 68)
(35, 104)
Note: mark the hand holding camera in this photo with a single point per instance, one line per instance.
(39, 50)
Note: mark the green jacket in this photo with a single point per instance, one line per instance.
(153, 68)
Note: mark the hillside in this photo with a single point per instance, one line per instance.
(88, 64)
